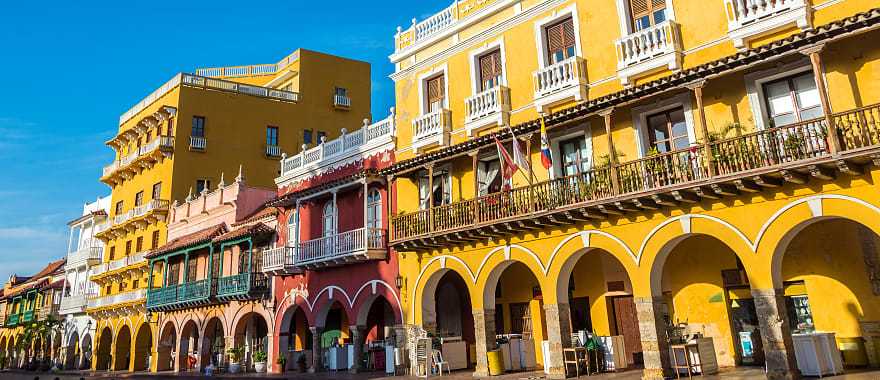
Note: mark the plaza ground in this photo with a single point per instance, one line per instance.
(727, 374)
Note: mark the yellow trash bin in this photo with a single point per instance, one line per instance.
(496, 363)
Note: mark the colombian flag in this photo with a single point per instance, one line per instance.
(546, 156)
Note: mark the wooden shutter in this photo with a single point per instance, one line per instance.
(560, 36)
(638, 7)
(435, 90)
(490, 66)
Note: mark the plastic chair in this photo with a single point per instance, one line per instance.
(438, 363)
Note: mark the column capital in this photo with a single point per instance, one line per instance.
(700, 83)
(814, 48)
(606, 112)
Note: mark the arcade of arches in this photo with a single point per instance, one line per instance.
(728, 274)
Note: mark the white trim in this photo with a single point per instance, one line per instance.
(755, 87)
(585, 129)
(541, 37)
(430, 74)
(624, 15)
(640, 115)
(474, 56)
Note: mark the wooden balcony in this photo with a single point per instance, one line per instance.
(181, 296)
(242, 286)
(749, 163)
(48, 311)
(12, 320)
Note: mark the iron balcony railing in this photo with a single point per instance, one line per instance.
(12, 320)
(27, 316)
(180, 294)
(241, 285)
(277, 260)
(335, 247)
(769, 148)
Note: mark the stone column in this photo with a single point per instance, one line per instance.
(271, 352)
(484, 326)
(652, 312)
(317, 352)
(559, 334)
(775, 334)
(357, 339)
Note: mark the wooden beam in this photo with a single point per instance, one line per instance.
(706, 193)
(746, 185)
(767, 181)
(793, 177)
(576, 216)
(849, 168)
(664, 199)
(610, 210)
(645, 203)
(724, 189)
(625, 207)
(685, 196)
(821, 172)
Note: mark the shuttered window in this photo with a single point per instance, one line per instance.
(646, 13)
(490, 70)
(436, 93)
(560, 41)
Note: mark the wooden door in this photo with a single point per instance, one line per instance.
(626, 323)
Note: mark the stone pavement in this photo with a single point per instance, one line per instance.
(728, 374)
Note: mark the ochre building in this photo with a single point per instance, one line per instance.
(712, 170)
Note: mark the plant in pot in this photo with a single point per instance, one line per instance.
(282, 362)
(235, 354)
(260, 361)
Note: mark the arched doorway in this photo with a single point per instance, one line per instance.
(122, 352)
(213, 344)
(56, 349)
(71, 360)
(5, 352)
(36, 352)
(189, 346)
(251, 333)
(11, 353)
(85, 352)
(829, 273)
(517, 298)
(599, 292)
(377, 316)
(143, 344)
(706, 293)
(166, 348)
(295, 341)
(447, 313)
(105, 343)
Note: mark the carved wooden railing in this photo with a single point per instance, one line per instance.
(764, 149)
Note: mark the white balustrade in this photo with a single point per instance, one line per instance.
(432, 128)
(341, 101)
(199, 143)
(491, 101)
(751, 18)
(273, 150)
(560, 76)
(120, 298)
(279, 259)
(337, 246)
(647, 43)
(84, 255)
(435, 23)
(118, 264)
(163, 142)
(74, 303)
(347, 144)
(241, 71)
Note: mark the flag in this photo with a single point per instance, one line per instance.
(546, 155)
(508, 165)
(519, 158)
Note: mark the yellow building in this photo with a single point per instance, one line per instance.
(187, 138)
(713, 173)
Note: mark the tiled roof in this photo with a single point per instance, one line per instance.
(258, 229)
(191, 240)
(56, 285)
(857, 23)
(53, 267)
(260, 214)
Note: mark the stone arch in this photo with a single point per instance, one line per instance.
(570, 251)
(489, 281)
(85, 352)
(143, 344)
(187, 343)
(72, 354)
(166, 346)
(122, 349)
(213, 342)
(363, 308)
(428, 278)
(293, 315)
(331, 314)
(104, 347)
(251, 331)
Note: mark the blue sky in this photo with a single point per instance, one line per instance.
(69, 69)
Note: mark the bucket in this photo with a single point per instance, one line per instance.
(496, 363)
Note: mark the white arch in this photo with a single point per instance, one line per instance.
(507, 249)
(585, 238)
(442, 260)
(331, 291)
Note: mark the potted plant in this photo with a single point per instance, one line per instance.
(235, 354)
(260, 361)
(282, 362)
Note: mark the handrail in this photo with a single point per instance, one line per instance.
(857, 129)
(339, 245)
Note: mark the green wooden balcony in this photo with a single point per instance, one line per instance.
(181, 296)
(27, 316)
(13, 320)
(242, 286)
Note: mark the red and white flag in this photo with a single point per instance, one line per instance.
(508, 165)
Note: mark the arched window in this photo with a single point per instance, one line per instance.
(292, 230)
(374, 209)
(329, 218)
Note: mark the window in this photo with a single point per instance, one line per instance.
(112, 253)
(139, 245)
(340, 91)
(489, 176)
(560, 41)
(435, 93)
(155, 240)
(272, 136)
(139, 199)
(119, 206)
(170, 127)
(202, 185)
(490, 70)
(198, 126)
(157, 190)
(321, 136)
(307, 136)
(575, 156)
(128, 248)
(374, 209)
(793, 99)
(191, 270)
(215, 265)
(174, 273)
(668, 130)
(135, 283)
(646, 13)
(329, 221)
(292, 229)
(149, 135)
(519, 317)
(442, 189)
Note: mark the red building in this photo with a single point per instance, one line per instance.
(333, 277)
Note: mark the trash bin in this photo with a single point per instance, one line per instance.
(496, 363)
